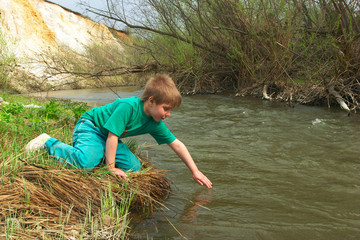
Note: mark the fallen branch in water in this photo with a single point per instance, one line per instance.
(265, 95)
(338, 98)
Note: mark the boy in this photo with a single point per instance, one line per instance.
(98, 132)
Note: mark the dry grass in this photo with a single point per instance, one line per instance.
(40, 202)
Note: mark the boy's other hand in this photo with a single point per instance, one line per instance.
(202, 179)
(117, 172)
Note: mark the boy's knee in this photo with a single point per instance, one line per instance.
(86, 161)
(130, 164)
(80, 163)
(85, 166)
(136, 165)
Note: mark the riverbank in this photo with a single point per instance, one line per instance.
(43, 199)
(291, 92)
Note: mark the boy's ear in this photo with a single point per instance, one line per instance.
(151, 100)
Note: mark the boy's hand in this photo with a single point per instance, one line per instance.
(202, 179)
(184, 154)
(117, 172)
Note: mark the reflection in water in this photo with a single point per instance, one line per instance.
(198, 202)
(278, 172)
(192, 210)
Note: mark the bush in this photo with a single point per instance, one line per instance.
(293, 46)
(7, 61)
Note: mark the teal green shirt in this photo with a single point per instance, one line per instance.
(125, 118)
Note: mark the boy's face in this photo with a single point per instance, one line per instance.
(159, 111)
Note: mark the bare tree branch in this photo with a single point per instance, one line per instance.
(221, 54)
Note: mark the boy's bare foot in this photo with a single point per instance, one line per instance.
(37, 143)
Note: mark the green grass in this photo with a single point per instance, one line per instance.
(18, 125)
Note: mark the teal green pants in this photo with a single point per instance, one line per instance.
(88, 149)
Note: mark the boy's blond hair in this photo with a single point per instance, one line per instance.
(162, 88)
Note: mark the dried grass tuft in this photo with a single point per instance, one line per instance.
(39, 197)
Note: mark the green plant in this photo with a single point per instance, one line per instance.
(76, 108)
(13, 108)
(50, 110)
(7, 61)
(116, 210)
(12, 225)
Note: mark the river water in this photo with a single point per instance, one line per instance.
(277, 172)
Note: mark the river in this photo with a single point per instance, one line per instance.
(277, 172)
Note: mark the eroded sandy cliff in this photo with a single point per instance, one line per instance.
(35, 27)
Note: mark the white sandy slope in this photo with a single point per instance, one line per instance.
(34, 27)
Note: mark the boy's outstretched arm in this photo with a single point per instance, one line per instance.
(184, 154)
(110, 153)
